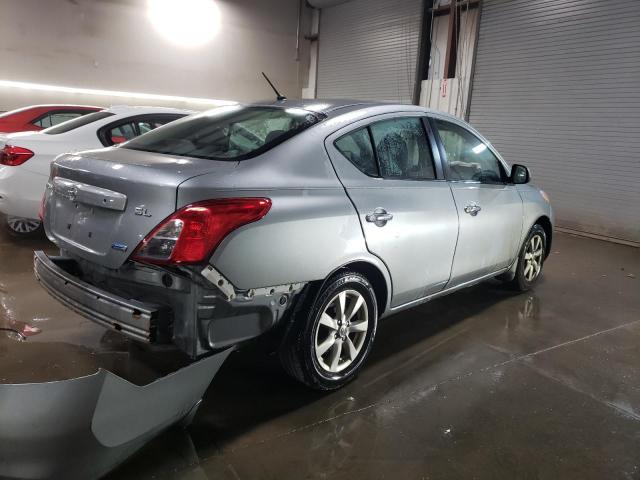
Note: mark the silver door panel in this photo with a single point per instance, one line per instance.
(418, 243)
(489, 238)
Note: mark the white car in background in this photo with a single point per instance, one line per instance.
(25, 157)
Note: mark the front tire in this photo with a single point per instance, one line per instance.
(331, 335)
(19, 227)
(531, 259)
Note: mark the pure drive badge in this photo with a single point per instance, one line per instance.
(121, 247)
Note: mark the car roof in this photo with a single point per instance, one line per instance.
(319, 105)
(335, 107)
(136, 110)
(55, 105)
(37, 109)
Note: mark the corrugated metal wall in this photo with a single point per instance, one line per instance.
(557, 88)
(368, 50)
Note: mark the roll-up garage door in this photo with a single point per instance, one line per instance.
(557, 88)
(368, 50)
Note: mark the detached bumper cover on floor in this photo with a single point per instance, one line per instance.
(84, 427)
(134, 319)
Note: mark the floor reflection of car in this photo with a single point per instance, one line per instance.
(312, 220)
(25, 158)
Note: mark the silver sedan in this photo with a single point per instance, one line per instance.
(310, 219)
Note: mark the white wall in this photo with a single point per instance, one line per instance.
(111, 45)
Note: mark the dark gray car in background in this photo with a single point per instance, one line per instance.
(318, 217)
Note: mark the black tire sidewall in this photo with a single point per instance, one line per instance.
(347, 281)
(523, 283)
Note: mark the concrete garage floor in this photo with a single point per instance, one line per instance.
(484, 383)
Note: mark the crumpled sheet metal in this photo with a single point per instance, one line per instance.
(84, 427)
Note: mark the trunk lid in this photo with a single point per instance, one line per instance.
(100, 204)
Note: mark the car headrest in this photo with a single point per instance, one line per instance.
(392, 150)
(272, 135)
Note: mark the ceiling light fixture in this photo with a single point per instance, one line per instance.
(186, 23)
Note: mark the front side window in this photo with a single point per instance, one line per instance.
(227, 133)
(468, 157)
(356, 147)
(403, 149)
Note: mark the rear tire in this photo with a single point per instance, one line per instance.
(530, 260)
(19, 227)
(331, 333)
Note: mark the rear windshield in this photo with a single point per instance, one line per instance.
(13, 112)
(226, 133)
(76, 122)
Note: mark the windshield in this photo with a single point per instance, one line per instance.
(226, 133)
(76, 122)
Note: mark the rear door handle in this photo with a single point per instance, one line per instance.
(379, 217)
(472, 209)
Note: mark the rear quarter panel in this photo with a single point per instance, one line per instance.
(311, 230)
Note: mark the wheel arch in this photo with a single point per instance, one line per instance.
(545, 223)
(380, 282)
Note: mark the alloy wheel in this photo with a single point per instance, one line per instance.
(533, 255)
(342, 330)
(23, 225)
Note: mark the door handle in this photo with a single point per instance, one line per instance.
(472, 209)
(379, 217)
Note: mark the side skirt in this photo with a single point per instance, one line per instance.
(446, 291)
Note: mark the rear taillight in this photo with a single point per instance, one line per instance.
(14, 156)
(41, 209)
(192, 233)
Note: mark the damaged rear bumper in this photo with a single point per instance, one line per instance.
(196, 309)
(84, 427)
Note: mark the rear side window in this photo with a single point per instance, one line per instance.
(356, 146)
(403, 149)
(227, 133)
(121, 133)
(54, 119)
(77, 122)
(58, 116)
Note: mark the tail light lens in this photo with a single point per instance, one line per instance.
(41, 209)
(14, 156)
(191, 234)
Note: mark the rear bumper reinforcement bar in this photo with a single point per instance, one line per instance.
(134, 319)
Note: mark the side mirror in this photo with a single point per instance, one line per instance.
(520, 174)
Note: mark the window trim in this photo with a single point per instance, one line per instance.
(445, 159)
(435, 151)
(102, 131)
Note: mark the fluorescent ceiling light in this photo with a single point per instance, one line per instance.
(111, 93)
(186, 23)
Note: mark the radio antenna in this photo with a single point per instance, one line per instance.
(278, 95)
